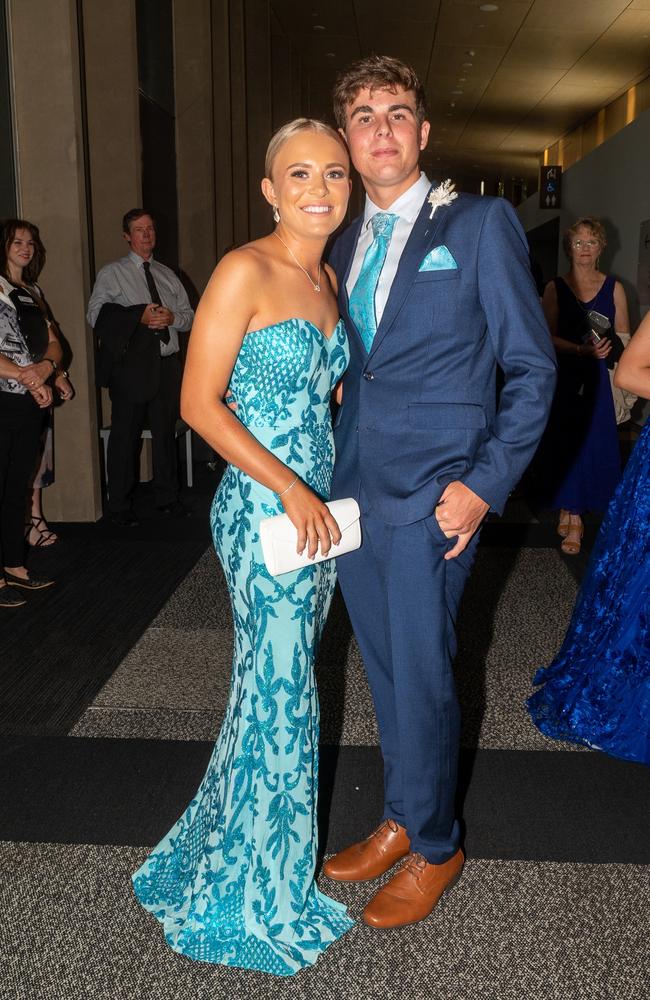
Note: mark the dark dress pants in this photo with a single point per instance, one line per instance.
(403, 598)
(21, 423)
(127, 421)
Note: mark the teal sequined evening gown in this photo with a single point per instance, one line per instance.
(233, 880)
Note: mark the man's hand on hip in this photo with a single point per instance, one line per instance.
(459, 512)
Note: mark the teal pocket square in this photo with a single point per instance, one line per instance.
(439, 259)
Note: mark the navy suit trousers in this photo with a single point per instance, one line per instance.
(403, 597)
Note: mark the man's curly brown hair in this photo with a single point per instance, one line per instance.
(376, 73)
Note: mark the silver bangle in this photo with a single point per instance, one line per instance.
(289, 487)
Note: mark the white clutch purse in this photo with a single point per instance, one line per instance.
(279, 538)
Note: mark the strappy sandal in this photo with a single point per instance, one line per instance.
(45, 535)
(572, 543)
(563, 523)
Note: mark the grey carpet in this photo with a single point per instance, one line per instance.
(511, 930)
(72, 930)
(174, 682)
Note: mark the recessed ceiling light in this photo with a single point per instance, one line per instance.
(467, 65)
(330, 55)
(489, 8)
(457, 91)
(462, 79)
(319, 27)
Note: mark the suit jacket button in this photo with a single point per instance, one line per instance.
(368, 376)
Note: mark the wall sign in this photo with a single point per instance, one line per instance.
(550, 187)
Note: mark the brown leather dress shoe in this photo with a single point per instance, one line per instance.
(413, 891)
(371, 857)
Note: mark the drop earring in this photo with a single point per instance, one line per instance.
(276, 214)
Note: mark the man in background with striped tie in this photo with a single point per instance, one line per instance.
(137, 309)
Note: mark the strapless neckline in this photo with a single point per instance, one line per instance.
(297, 319)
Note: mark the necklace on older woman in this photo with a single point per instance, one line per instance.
(314, 284)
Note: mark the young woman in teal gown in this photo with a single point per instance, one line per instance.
(233, 881)
(597, 689)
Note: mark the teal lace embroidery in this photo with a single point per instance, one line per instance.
(233, 880)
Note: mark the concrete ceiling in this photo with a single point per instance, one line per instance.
(502, 84)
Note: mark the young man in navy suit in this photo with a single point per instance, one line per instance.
(436, 292)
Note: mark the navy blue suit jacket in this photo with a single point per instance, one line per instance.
(420, 410)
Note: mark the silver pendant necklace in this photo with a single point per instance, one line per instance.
(314, 284)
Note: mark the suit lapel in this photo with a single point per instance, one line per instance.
(422, 238)
(350, 237)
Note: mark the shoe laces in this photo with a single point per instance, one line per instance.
(414, 863)
(381, 829)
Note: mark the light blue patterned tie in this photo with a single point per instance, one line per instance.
(362, 299)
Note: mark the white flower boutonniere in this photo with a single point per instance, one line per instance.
(444, 194)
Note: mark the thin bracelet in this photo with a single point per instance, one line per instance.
(289, 487)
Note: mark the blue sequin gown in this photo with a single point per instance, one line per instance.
(233, 880)
(597, 690)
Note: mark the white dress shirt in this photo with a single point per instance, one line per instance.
(124, 282)
(407, 207)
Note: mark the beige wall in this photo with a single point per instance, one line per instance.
(194, 141)
(238, 140)
(245, 82)
(52, 193)
(221, 132)
(611, 182)
(79, 163)
(587, 136)
(259, 123)
(113, 122)
(111, 62)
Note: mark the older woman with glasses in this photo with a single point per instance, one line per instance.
(579, 460)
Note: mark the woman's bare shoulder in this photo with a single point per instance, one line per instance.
(250, 258)
(241, 270)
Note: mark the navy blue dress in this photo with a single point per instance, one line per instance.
(597, 690)
(578, 463)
